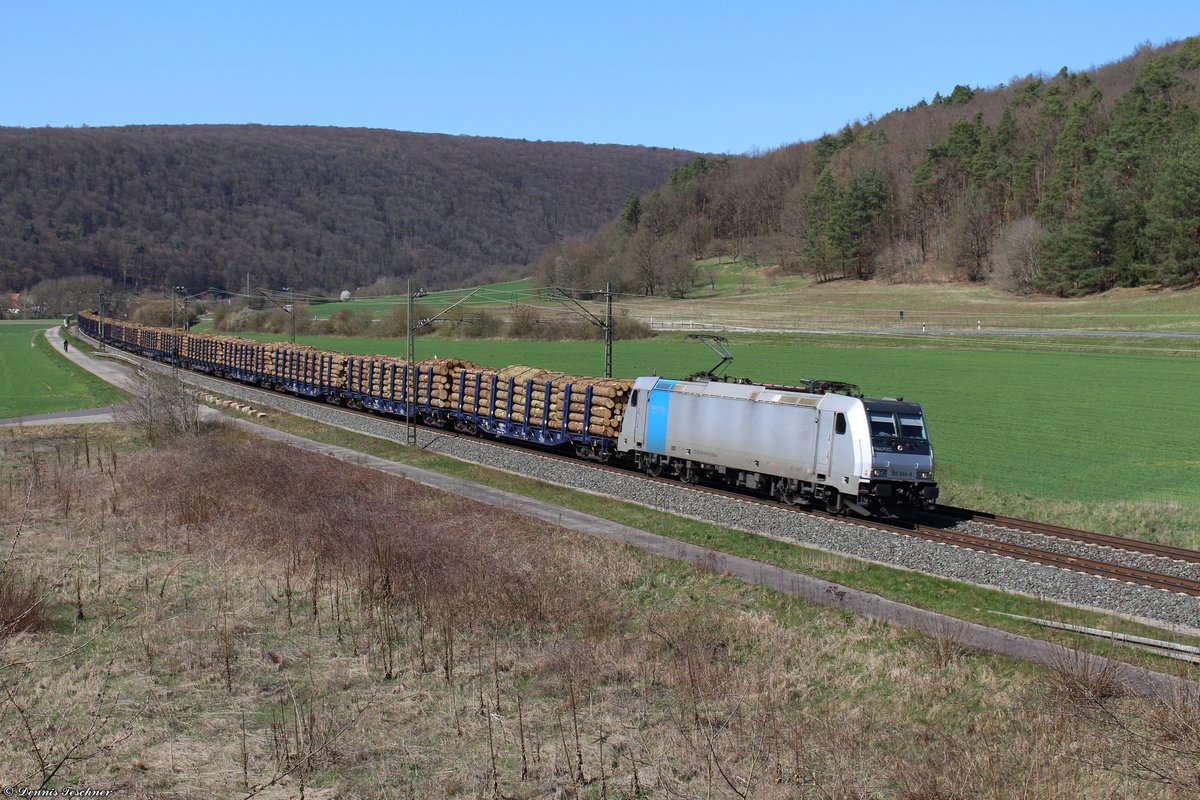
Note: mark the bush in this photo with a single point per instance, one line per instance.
(22, 607)
(164, 410)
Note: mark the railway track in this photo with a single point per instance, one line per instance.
(936, 533)
(1073, 534)
(1037, 555)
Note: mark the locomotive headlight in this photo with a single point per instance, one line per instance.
(879, 472)
(924, 474)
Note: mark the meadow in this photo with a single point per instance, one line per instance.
(382, 306)
(758, 297)
(36, 380)
(737, 293)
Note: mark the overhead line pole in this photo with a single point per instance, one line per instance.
(291, 290)
(291, 312)
(410, 427)
(605, 324)
(101, 319)
(410, 417)
(608, 329)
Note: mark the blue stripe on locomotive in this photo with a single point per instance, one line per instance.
(656, 416)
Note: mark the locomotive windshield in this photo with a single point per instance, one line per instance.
(897, 427)
(903, 425)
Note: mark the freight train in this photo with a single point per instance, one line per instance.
(819, 444)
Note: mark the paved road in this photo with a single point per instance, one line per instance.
(80, 417)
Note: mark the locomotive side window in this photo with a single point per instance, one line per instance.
(883, 424)
(912, 426)
(840, 424)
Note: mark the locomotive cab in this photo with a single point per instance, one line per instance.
(901, 455)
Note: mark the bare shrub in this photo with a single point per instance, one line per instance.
(1016, 268)
(163, 410)
(1157, 742)
(1080, 677)
(22, 604)
(626, 327)
(480, 325)
(1178, 721)
(900, 262)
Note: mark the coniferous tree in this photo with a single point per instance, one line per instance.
(1173, 232)
(850, 220)
(1079, 255)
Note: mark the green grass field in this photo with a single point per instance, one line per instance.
(36, 380)
(1085, 426)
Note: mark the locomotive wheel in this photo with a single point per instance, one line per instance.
(653, 465)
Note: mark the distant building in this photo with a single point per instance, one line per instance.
(14, 303)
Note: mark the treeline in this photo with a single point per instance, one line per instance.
(319, 209)
(465, 323)
(1067, 185)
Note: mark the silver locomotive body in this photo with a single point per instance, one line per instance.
(830, 449)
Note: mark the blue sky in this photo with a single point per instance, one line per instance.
(727, 77)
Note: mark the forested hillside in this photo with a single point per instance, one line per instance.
(308, 207)
(1068, 185)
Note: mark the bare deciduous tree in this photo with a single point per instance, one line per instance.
(163, 410)
(974, 238)
(1016, 257)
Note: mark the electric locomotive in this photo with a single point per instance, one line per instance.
(842, 451)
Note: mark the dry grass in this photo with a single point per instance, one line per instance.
(254, 621)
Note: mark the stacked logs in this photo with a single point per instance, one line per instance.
(538, 396)
(529, 389)
(384, 377)
(237, 353)
(305, 364)
(200, 346)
